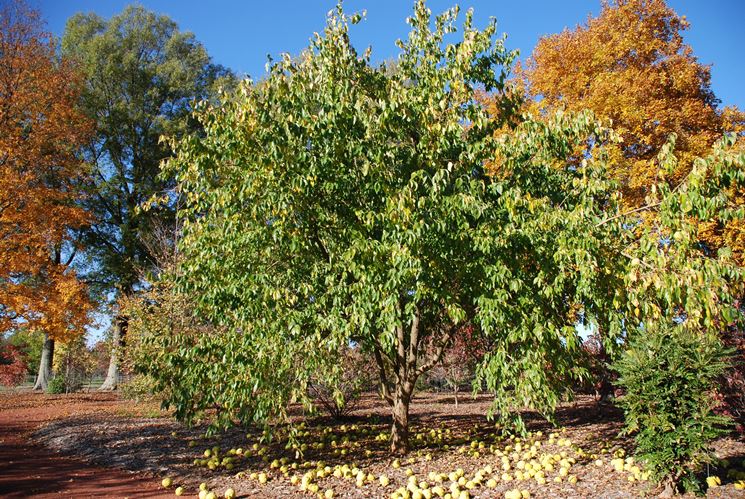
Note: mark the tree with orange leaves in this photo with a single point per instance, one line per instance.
(40, 136)
(630, 65)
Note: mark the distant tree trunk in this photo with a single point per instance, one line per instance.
(455, 394)
(112, 376)
(45, 366)
(605, 385)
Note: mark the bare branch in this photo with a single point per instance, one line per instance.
(630, 212)
(439, 351)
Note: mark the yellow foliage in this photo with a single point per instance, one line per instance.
(630, 67)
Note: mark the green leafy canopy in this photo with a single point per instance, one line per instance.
(337, 202)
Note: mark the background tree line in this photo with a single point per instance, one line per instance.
(81, 124)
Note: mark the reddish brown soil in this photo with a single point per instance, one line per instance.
(31, 470)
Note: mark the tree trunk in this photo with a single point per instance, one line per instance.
(112, 376)
(455, 394)
(400, 413)
(45, 367)
(605, 386)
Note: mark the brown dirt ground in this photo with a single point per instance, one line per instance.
(29, 469)
(117, 448)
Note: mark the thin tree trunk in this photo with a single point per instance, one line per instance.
(455, 394)
(112, 376)
(605, 384)
(45, 366)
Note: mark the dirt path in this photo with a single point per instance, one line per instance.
(28, 469)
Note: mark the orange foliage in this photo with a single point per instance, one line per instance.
(630, 66)
(40, 135)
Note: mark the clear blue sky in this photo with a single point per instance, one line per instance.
(240, 34)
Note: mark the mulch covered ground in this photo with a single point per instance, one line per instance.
(123, 449)
(30, 469)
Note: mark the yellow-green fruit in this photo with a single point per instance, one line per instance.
(329, 494)
(202, 494)
(229, 494)
(179, 491)
(210, 495)
(203, 486)
(166, 482)
(384, 480)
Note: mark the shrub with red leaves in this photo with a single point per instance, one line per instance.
(13, 366)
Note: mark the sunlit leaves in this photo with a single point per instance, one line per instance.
(333, 199)
(336, 202)
(40, 173)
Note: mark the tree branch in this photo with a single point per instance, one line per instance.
(384, 384)
(413, 342)
(630, 212)
(400, 348)
(439, 351)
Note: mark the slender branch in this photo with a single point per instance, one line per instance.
(384, 385)
(400, 363)
(630, 212)
(439, 351)
(631, 257)
(413, 342)
(645, 207)
(72, 256)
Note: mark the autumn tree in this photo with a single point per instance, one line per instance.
(457, 365)
(41, 133)
(631, 67)
(74, 362)
(336, 202)
(142, 75)
(13, 365)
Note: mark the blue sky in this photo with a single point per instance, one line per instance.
(240, 34)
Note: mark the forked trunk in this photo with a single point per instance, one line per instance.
(112, 376)
(45, 366)
(399, 369)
